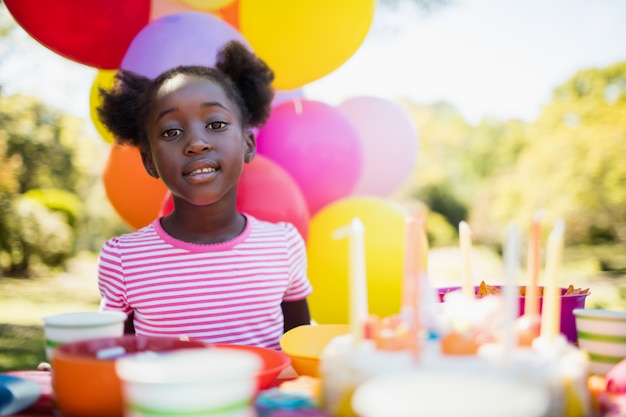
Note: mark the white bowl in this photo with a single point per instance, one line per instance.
(84, 325)
(602, 335)
(189, 382)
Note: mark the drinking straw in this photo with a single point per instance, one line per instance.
(358, 309)
(466, 252)
(551, 315)
(533, 267)
(511, 290)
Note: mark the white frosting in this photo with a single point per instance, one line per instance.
(559, 370)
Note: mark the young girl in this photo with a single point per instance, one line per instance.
(205, 271)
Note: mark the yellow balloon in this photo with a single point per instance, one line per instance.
(105, 79)
(328, 270)
(304, 40)
(207, 4)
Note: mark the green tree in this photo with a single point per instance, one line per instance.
(573, 165)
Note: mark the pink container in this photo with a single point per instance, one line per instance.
(568, 304)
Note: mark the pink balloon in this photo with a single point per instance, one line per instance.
(390, 143)
(186, 38)
(317, 145)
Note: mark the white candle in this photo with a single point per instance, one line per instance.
(465, 238)
(358, 279)
(551, 311)
(511, 290)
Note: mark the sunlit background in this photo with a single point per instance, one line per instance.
(518, 107)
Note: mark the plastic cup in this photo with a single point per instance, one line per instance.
(73, 327)
(198, 382)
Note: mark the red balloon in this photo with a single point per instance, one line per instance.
(134, 195)
(91, 32)
(267, 192)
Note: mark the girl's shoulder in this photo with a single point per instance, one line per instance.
(135, 237)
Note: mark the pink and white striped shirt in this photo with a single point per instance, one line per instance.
(228, 292)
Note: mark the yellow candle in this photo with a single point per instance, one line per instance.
(465, 237)
(551, 311)
(533, 266)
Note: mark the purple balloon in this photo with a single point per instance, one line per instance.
(318, 145)
(187, 38)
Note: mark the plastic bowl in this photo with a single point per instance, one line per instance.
(568, 304)
(274, 362)
(304, 345)
(602, 334)
(86, 386)
(193, 382)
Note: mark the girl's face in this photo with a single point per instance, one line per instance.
(197, 141)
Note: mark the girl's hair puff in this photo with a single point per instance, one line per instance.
(245, 78)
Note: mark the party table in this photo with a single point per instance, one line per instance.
(43, 405)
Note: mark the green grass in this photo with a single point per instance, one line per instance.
(25, 302)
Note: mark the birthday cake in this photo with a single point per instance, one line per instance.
(554, 372)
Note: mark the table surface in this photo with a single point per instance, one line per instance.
(43, 406)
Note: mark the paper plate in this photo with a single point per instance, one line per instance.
(16, 394)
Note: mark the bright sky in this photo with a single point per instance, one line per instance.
(497, 58)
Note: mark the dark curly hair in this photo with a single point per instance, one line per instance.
(245, 78)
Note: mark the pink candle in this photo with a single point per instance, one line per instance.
(465, 238)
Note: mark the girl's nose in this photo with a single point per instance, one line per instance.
(197, 144)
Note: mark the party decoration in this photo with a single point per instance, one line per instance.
(134, 195)
(384, 224)
(161, 8)
(207, 4)
(90, 32)
(105, 79)
(230, 14)
(390, 143)
(282, 96)
(267, 192)
(187, 38)
(317, 145)
(303, 41)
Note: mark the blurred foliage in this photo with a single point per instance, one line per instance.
(570, 163)
(52, 203)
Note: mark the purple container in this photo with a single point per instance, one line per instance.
(568, 304)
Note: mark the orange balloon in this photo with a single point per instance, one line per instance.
(230, 14)
(160, 8)
(134, 194)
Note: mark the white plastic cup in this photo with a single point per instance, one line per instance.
(84, 325)
(191, 382)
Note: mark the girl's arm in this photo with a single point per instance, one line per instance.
(295, 313)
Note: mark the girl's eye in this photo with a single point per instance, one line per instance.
(170, 133)
(216, 125)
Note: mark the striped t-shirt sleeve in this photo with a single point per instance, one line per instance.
(299, 286)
